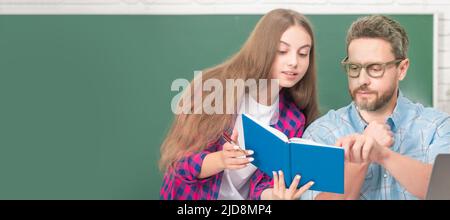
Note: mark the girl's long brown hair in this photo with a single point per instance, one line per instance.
(193, 132)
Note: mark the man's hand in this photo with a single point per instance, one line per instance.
(381, 132)
(362, 148)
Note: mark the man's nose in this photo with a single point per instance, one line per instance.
(364, 78)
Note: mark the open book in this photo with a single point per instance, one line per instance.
(322, 164)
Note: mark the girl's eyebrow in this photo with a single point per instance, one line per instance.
(284, 43)
(304, 46)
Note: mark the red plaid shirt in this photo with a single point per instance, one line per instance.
(181, 182)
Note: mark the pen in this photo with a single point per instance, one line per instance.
(228, 138)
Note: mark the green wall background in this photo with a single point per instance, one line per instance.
(85, 100)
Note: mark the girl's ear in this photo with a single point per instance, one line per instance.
(403, 66)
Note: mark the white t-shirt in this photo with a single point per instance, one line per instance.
(236, 183)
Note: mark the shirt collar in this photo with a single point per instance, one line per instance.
(401, 111)
(356, 119)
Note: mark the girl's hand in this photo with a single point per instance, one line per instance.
(280, 192)
(233, 157)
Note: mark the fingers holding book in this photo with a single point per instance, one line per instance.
(280, 192)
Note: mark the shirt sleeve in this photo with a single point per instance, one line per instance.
(320, 132)
(189, 166)
(441, 140)
(260, 184)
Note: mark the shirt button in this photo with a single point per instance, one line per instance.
(385, 175)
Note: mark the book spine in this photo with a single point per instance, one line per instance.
(289, 174)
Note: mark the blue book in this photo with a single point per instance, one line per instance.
(273, 151)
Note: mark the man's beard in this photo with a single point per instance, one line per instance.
(379, 102)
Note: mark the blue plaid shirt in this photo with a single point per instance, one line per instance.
(419, 133)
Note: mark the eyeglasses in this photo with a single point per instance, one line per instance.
(374, 70)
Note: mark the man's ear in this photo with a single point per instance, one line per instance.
(403, 67)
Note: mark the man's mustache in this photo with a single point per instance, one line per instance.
(363, 89)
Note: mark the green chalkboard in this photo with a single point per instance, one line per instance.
(85, 99)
